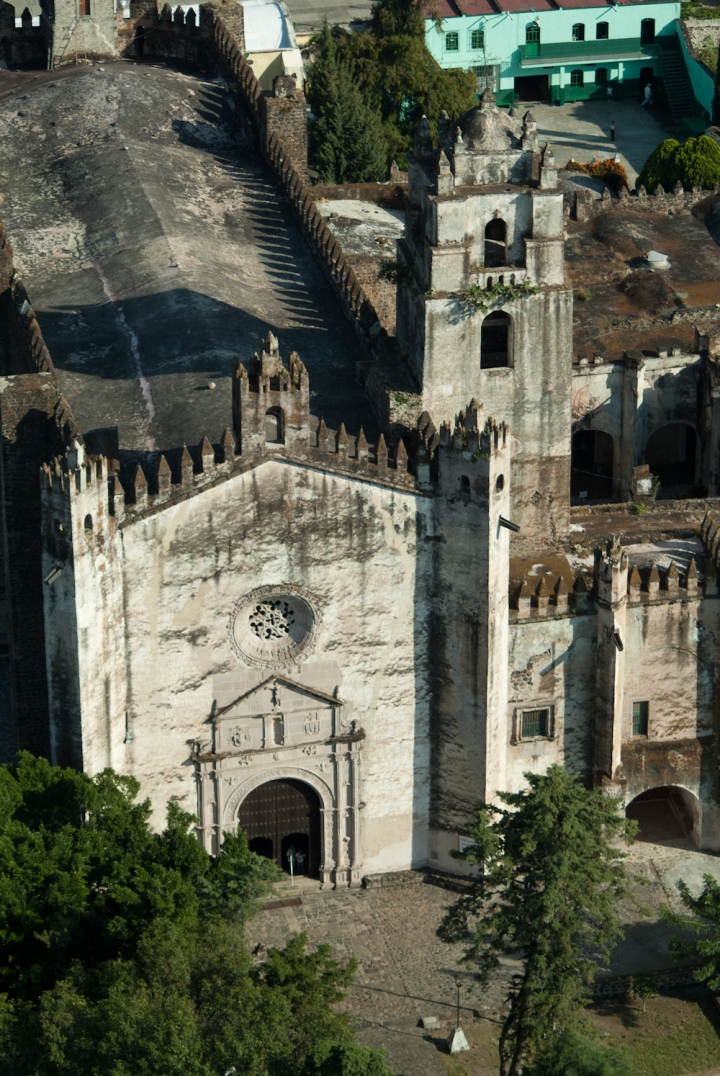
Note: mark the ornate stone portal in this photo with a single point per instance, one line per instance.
(283, 729)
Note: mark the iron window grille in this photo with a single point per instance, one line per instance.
(534, 723)
(452, 42)
(576, 78)
(640, 713)
(477, 39)
(578, 31)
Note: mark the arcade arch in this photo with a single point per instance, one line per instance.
(592, 467)
(673, 456)
(667, 813)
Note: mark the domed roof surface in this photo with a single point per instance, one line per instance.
(489, 129)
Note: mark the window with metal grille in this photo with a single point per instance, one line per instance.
(576, 78)
(452, 42)
(578, 31)
(534, 723)
(532, 34)
(602, 32)
(640, 718)
(477, 39)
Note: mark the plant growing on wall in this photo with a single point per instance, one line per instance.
(478, 298)
(549, 876)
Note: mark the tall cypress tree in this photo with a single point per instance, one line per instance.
(546, 889)
(346, 139)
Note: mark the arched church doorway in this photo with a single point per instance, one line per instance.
(591, 466)
(668, 813)
(283, 815)
(671, 454)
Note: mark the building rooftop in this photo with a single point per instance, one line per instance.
(155, 247)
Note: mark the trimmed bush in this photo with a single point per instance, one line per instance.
(574, 1055)
(695, 163)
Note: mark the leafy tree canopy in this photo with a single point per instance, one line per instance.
(396, 76)
(547, 889)
(571, 1054)
(694, 163)
(122, 950)
(704, 922)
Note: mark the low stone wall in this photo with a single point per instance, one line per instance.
(582, 205)
(620, 986)
(22, 348)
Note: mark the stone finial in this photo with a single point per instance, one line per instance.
(227, 445)
(548, 155)
(186, 466)
(140, 486)
(163, 475)
(678, 188)
(423, 140)
(691, 577)
(459, 143)
(542, 595)
(624, 193)
(580, 590)
(672, 579)
(561, 594)
(659, 189)
(529, 122)
(381, 454)
(642, 193)
(634, 583)
(361, 447)
(523, 599)
(443, 164)
(322, 436)
(342, 442)
(271, 344)
(488, 98)
(207, 454)
(653, 581)
(401, 456)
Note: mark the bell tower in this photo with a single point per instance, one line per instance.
(482, 309)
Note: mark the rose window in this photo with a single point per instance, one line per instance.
(272, 619)
(273, 626)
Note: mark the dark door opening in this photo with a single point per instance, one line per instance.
(591, 474)
(283, 814)
(533, 87)
(671, 455)
(646, 76)
(647, 32)
(139, 41)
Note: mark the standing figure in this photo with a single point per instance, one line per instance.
(299, 862)
(609, 94)
(648, 96)
(612, 130)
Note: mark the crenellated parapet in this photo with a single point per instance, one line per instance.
(22, 347)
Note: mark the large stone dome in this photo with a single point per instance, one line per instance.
(489, 129)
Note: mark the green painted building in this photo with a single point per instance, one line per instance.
(540, 50)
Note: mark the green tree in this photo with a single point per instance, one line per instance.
(695, 163)
(346, 139)
(704, 922)
(546, 890)
(644, 987)
(122, 950)
(571, 1054)
(397, 75)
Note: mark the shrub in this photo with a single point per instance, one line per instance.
(573, 1055)
(695, 163)
(609, 171)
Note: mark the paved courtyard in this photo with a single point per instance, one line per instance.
(582, 131)
(405, 972)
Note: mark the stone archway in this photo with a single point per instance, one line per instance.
(283, 817)
(666, 814)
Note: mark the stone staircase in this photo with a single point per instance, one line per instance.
(676, 81)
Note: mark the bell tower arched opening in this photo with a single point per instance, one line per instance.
(496, 341)
(495, 250)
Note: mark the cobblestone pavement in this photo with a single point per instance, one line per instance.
(405, 971)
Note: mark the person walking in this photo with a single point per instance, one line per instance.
(612, 130)
(648, 96)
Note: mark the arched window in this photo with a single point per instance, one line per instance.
(88, 522)
(477, 39)
(576, 78)
(602, 31)
(532, 34)
(495, 252)
(452, 42)
(496, 341)
(578, 31)
(601, 76)
(274, 426)
(464, 485)
(647, 32)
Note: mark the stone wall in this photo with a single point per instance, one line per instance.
(24, 46)
(93, 36)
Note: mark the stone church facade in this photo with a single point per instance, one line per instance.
(343, 646)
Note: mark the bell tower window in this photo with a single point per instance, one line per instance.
(496, 341)
(495, 252)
